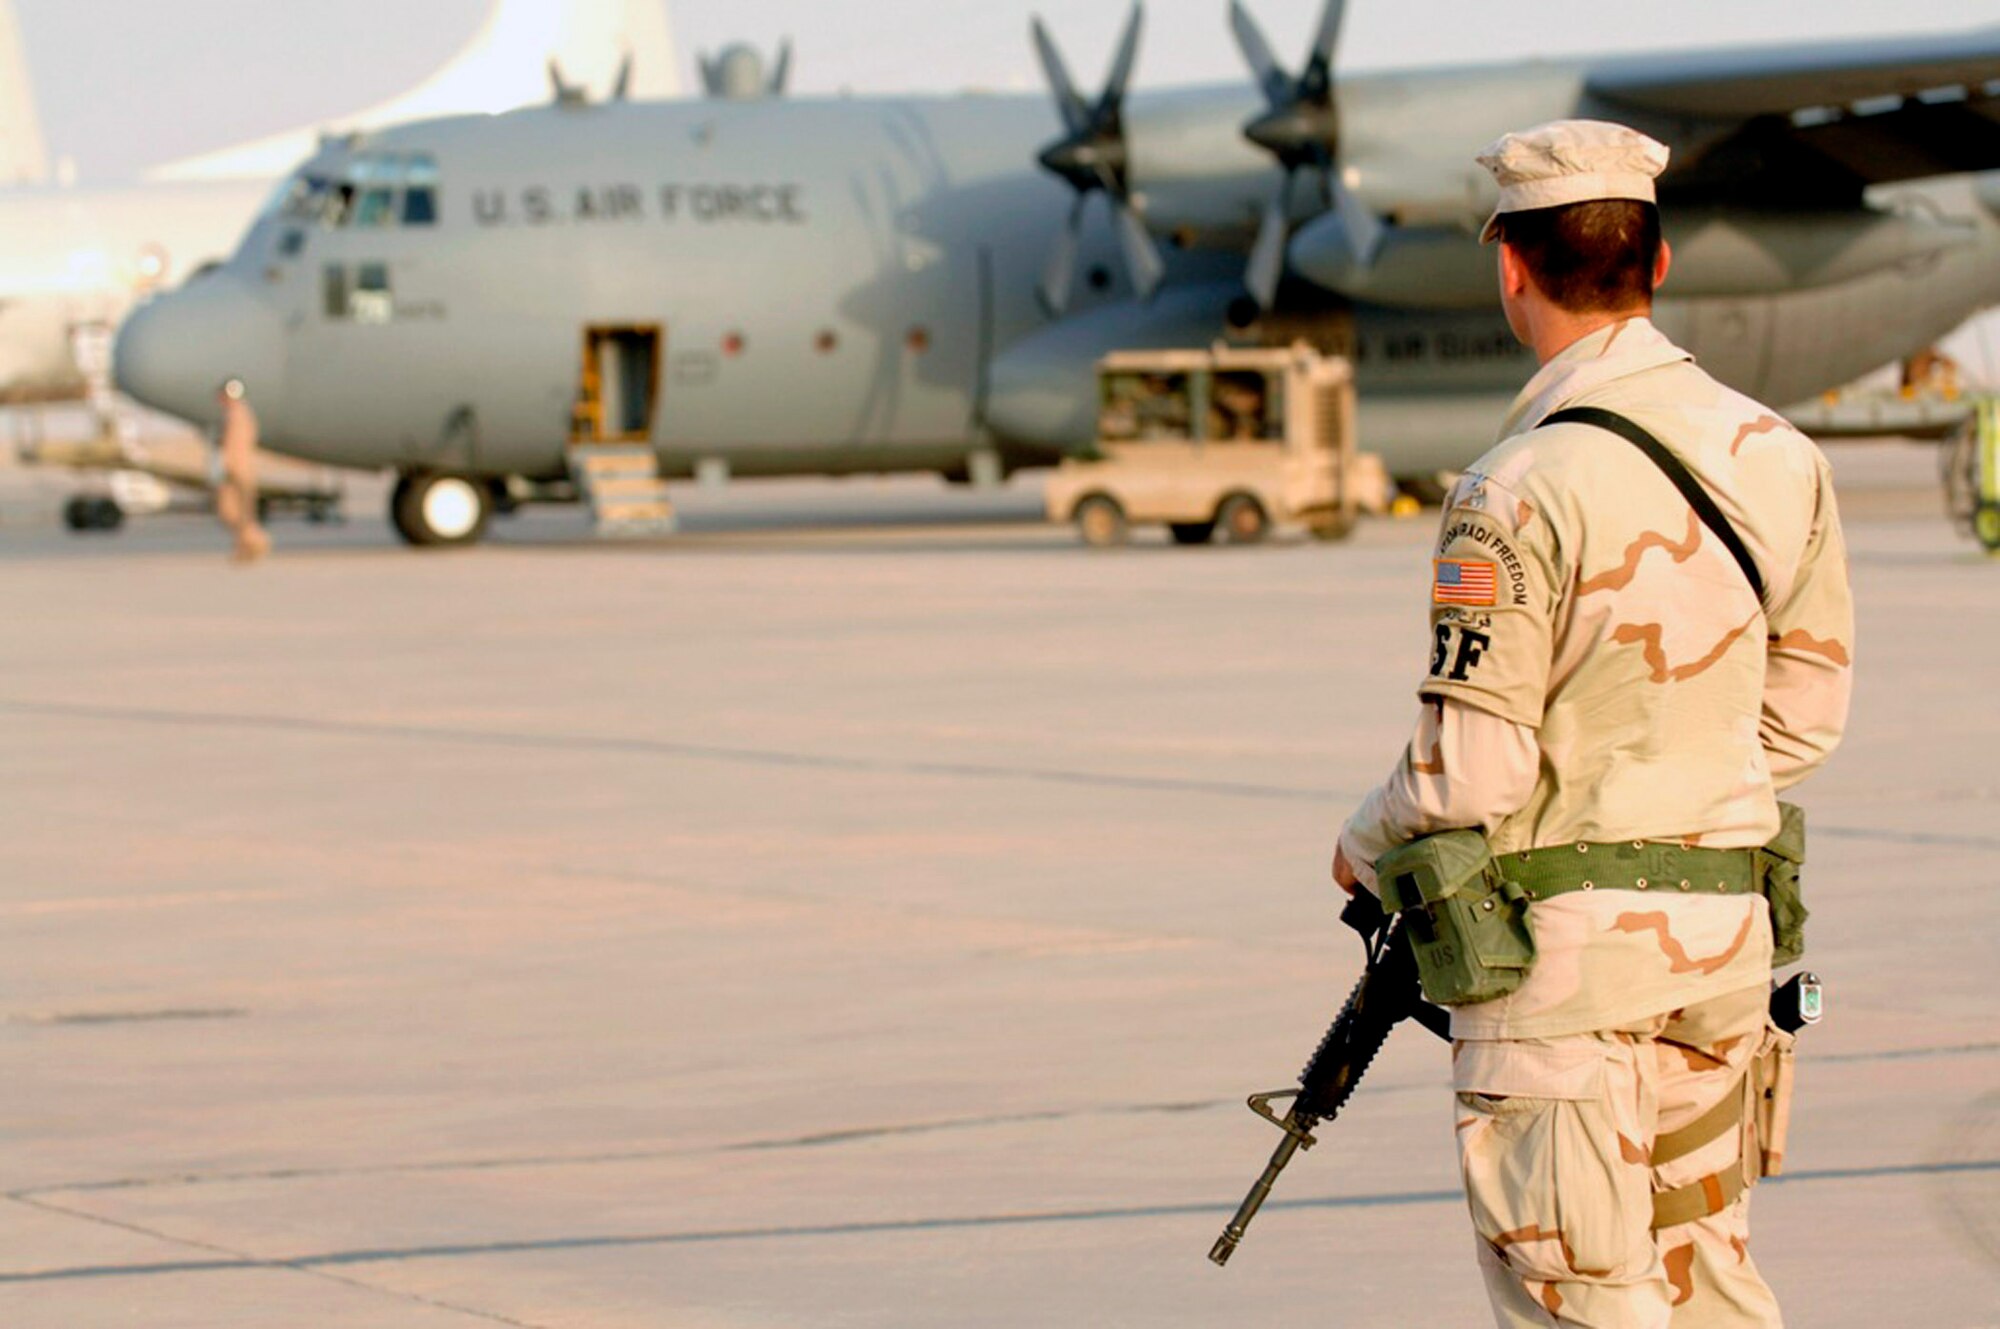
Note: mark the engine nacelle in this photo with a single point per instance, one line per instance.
(1715, 253)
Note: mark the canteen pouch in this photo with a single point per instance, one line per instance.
(1468, 928)
(1778, 865)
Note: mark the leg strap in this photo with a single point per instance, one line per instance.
(1714, 1192)
(1713, 1124)
(1698, 1199)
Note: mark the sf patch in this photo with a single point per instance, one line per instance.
(1455, 650)
(1465, 581)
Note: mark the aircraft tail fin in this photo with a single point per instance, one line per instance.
(24, 157)
(508, 63)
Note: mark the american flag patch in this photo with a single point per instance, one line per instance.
(1465, 581)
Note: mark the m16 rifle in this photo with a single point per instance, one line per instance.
(1386, 994)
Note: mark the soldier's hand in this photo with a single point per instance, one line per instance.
(1343, 871)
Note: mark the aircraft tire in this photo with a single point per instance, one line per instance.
(435, 509)
(92, 512)
(1100, 521)
(1191, 532)
(1241, 520)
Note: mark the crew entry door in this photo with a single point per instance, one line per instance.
(619, 384)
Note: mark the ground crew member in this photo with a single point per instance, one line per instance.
(236, 488)
(1614, 703)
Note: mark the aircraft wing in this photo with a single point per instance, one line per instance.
(1817, 122)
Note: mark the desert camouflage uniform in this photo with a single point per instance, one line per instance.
(236, 492)
(1621, 682)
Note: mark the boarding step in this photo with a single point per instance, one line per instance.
(621, 483)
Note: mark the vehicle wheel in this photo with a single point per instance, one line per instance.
(1986, 525)
(433, 509)
(1332, 526)
(1100, 521)
(1191, 532)
(1242, 520)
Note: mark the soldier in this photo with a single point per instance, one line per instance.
(1614, 698)
(236, 489)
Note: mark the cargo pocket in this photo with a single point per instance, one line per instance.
(1544, 1177)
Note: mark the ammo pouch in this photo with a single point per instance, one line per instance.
(1468, 928)
(1778, 865)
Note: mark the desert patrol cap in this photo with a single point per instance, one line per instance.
(1570, 161)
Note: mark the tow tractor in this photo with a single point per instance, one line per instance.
(1220, 443)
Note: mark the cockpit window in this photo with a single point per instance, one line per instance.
(372, 190)
(420, 177)
(305, 198)
(339, 206)
(375, 191)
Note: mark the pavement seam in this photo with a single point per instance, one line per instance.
(236, 1259)
(717, 752)
(877, 1227)
(812, 1139)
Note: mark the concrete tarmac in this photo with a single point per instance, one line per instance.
(866, 909)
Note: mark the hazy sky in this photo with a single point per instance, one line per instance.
(123, 84)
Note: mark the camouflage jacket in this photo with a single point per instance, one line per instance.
(1601, 670)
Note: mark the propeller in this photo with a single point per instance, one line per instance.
(1302, 130)
(1090, 157)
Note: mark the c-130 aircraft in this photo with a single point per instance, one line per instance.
(851, 285)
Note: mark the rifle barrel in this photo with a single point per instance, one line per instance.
(1298, 1132)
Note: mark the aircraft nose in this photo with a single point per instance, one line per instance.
(174, 350)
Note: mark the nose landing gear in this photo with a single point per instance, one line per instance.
(440, 508)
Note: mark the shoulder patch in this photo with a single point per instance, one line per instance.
(1464, 581)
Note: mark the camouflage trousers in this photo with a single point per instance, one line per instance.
(236, 508)
(1556, 1140)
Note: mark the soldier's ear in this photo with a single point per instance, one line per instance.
(1661, 262)
(1513, 272)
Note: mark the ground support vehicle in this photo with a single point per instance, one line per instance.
(1219, 443)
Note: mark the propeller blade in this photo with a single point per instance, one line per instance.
(1328, 35)
(564, 92)
(623, 84)
(1364, 229)
(1143, 263)
(1121, 65)
(1060, 273)
(781, 73)
(1267, 255)
(1075, 115)
(1271, 76)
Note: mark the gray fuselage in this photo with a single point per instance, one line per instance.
(848, 285)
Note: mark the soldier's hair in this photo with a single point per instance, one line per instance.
(1594, 257)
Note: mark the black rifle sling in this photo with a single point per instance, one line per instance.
(1691, 488)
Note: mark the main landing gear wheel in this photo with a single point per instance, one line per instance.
(1242, 520)
(428, 508)
(1100, 521)
(93, 512)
